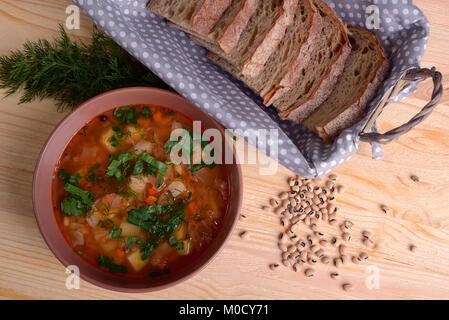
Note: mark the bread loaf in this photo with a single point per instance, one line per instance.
(365, 70)
(318, 78)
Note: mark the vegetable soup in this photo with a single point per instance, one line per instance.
(124, 206)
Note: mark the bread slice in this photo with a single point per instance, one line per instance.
(318, 78)
(293, 52)
(196, 16)
(260, 38)
(365, 70)
(228, 30)
(225, 34)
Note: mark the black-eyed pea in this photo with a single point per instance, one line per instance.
(291, 248)
(368, 242)
(286, 263)
(342, 249)
(309, 272)
(279, 210)
(340, 189)
(363, 256)
(323, 243)
(347, 287)
(285, 203)
(291, 181)
(284, 221)
(285, 255)
(307, 220)
(283, 195)
(283, 247)
(318, 234)
(274, 202)
(274, 266)
(297, 267)
(335, 241)
(325, 260)
(337, 262)
(366, 234)
(320, 253)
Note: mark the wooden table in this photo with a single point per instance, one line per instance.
(421, 210)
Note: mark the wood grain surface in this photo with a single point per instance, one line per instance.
(420, 210)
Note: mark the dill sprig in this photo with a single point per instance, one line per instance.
(71, 72)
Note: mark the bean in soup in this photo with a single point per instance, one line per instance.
(124, 206)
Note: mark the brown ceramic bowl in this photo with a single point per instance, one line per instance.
(51, 153)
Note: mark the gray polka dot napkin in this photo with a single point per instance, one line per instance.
(402, 28)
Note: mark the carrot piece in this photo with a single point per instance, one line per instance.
(160, 118)
(188, 178)
(88, 184)
(190, 208)
(121, 253)
(144, 122)
(150, 200)
(152, 191)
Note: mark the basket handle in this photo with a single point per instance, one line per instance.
(417, 74)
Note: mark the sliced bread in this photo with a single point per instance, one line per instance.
(260, 38)
(318, 78)
(198, 16)
(226, 32)
(293, 52)
(365, 70)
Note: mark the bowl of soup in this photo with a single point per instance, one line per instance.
(137, 190)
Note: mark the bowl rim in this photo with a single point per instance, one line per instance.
(41, 221)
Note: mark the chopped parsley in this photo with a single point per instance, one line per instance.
(128, 163)
(115, 233)
(79, 201)
(127, 115)
(150, 219)
(174, 243)
(130, 241)
(146, 112)
(108, 264)
(159, 273)
(130, 115)
(79, 252)
(170, 144)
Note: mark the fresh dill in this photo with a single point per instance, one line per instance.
(72, 72)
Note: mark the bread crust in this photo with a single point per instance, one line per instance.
(287, 82)
(355, 111)
(208, 15)
(230, 37)
(254, 65)
(298, 113)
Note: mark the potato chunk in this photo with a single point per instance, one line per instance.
(187, 248)
(129, 230)
(135, 259)
(138, 185)
(176, 188)
(105, 140)
(181, 232)
(133, 134)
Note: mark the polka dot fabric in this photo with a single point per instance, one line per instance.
(168, 52)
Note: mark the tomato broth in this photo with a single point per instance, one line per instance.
(124, 206)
